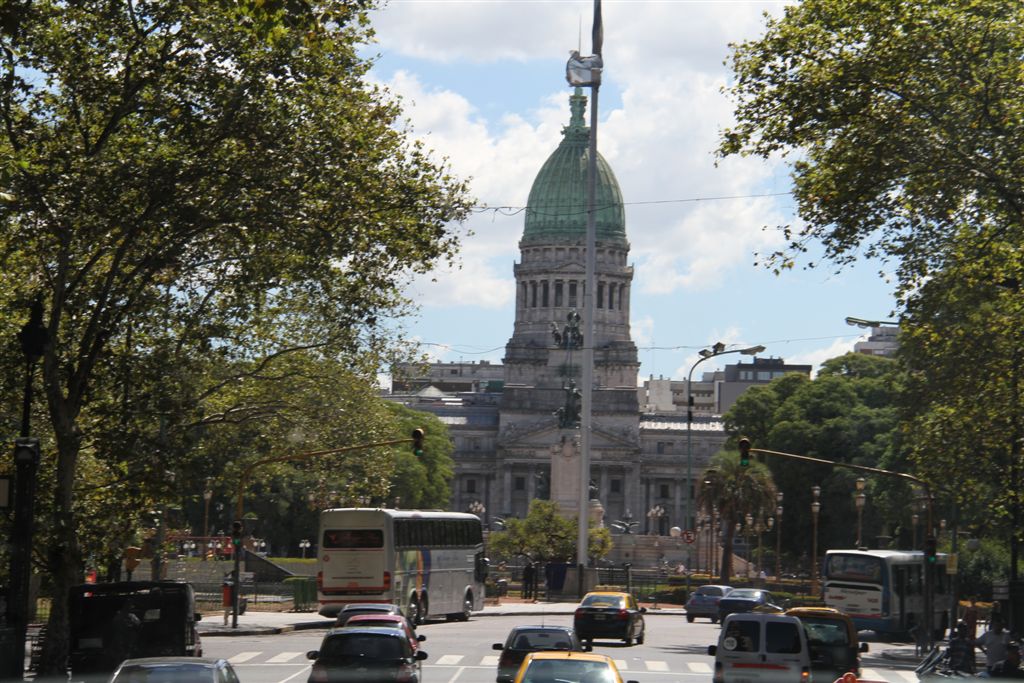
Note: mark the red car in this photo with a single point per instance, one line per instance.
(388, 621)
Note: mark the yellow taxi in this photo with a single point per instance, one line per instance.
(831, 639)
(568, 667)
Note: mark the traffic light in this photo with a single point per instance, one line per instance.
(930, 550)
(236, 533)
(417, 442)
(744, 445)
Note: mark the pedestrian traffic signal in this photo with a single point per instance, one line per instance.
(744, 445)
(930, 550)
(417, 442)
(236, 533)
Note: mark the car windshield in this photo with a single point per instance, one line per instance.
(825, 631)
(540, 640)
(602, 601)
(574, 670)
(176, 673)
(362, 646)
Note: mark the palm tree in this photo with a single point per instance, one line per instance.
(734, 491)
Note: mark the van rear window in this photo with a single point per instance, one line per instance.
(782, 637)
(353, 538)
(743, 636)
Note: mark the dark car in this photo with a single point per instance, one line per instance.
(703, 602)
(745, 600)
(604, 614)
(355, 608)
(832, 640)
(365, 655)
(523, 640)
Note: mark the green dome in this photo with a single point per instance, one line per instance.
(557, 208)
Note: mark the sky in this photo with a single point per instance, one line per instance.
(482, 83)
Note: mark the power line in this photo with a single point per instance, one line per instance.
(509, 210)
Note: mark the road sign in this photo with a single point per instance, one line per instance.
(689, 536)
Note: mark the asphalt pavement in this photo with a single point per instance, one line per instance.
(267, 623)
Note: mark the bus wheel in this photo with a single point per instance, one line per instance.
(422, 606)
(413, 614)
(467, 607)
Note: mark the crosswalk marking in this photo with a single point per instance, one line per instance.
(490, 660)
(654, 665)
(448, 660)
(283, 657)
(243, 657)
(699, 667)
(622, 665)
(909, 675)
(871, 675)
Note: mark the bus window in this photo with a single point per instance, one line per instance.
(335, 539)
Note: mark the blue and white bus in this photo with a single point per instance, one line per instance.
(884, 590)
(431, 564)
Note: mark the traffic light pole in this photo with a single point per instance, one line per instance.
(926, 566)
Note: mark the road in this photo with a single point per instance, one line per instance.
(674, 651)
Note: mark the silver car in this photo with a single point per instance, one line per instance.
(175, 669)
(703, 602)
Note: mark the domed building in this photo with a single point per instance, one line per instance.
(513, 425)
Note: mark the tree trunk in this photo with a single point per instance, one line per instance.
(64, 557)
(727, 553)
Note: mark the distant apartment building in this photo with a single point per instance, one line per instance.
(881, 342)
(716, 391)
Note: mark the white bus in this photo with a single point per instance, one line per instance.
(431, 564)
(884, 590)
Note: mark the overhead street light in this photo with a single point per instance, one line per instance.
(863, 323)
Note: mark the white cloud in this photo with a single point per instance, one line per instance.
(816, 357)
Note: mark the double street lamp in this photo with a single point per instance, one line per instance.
(815, 509)
(304, 545)
(778, 535)
(718, 349)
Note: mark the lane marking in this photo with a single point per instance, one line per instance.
(622, 664)
(699, 667)
(449, 660)
(655, 665)
(490, 660)
(243, 657)
(284, 657)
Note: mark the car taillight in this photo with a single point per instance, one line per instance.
(387, 581)
(405, 674)
(318, 674)
(320, 581)
(805, 675)
(623, 615)
(579, 612)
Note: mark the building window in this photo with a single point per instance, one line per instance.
(600, 295)
(471, 486)
(533, 295)
(615, 486)
(746, 375)
(519, 484)
(544, 294)
(661, 447)
(558, 293)
(572, 295)
(611, 297)
(764, 375)
(663, 490)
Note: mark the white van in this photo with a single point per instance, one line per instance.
(761, 648)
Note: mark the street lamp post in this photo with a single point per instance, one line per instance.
(207, 497)
(304, 545)
(859, 501)
(815, 509)
(778, 535)
(914, 519)
(717, 349)
(768, 524)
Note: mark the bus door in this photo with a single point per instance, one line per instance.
(899, 595)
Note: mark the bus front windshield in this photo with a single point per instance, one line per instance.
(855, 568)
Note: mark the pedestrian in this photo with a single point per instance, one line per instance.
(971, 617)
(994, 642)
(529, 572)
(960, 651)
(228, 595)
(123, 634)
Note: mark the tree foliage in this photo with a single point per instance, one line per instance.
(905, 118)
(544, 535)
(196, 192)
(847, 414)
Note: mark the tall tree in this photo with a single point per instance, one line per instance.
(201, 180)
(906, 119)
(730, 492)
